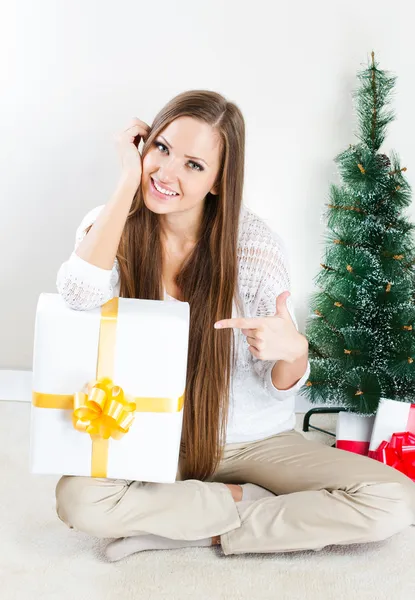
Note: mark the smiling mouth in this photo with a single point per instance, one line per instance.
(168, 195)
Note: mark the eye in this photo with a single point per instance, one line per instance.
(196, 166)
(157, 144)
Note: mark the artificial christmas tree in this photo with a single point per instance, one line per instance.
(361, 337)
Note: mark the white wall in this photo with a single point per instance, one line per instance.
(74, 73)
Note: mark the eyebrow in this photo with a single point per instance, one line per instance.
(186, 155)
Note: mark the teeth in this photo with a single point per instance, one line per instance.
(160, 189)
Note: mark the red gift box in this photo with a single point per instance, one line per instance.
(391, 445)
(399, 453)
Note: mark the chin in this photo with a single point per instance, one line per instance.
(152, 204)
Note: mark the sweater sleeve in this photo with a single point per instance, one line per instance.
(81, 284)
(269, 276)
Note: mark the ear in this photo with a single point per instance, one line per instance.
(215, 190)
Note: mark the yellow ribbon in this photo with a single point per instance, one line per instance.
(102, 409)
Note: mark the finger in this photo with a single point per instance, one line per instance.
(238, 323)
(134, 134)
(250, 331)
(144, 128)
(135, 130)
(130, 133)
(257, 344)
(137, 121)
(254, 351)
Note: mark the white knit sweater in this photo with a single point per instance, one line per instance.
(257, 409)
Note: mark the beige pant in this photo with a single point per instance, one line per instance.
(323, 496)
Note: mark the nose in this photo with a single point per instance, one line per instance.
(168, 170)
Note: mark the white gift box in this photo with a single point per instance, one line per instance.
(392, 417)
(353, 432)
(145, 353)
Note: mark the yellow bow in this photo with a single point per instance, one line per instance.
(103, 410)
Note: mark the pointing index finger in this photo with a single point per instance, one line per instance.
(239, 323)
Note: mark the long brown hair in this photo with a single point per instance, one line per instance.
(207, 279)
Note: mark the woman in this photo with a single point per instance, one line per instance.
(176, 229)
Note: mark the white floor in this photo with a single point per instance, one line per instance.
(42, 559)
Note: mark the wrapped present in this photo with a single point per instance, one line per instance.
(393, 436)
(399, 453)
(353, 432)
(108, 388)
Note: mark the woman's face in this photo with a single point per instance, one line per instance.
(184, 158)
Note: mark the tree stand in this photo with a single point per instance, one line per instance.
(320, 411)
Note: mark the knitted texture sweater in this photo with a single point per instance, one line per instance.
(257, 409)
